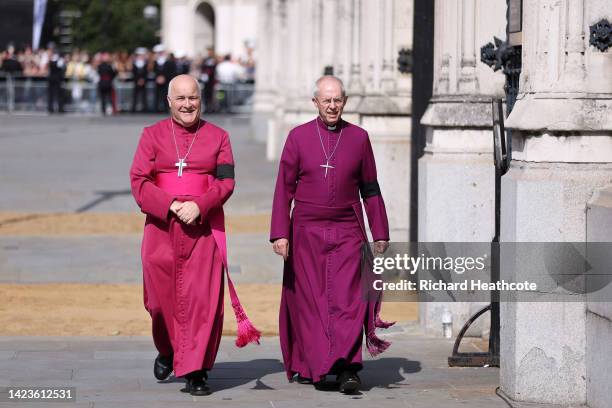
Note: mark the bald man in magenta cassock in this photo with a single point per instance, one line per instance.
(325, 166)
(182, 174)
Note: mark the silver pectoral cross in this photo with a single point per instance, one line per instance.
(180, 164)
(327, 167)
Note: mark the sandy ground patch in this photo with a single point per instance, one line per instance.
(116, 309)
(16, 223)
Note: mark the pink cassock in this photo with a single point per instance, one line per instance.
(183, 264)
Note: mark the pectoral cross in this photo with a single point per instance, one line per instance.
(327, 167)
(180, 164)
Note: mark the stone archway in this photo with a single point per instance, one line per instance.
(204, 28)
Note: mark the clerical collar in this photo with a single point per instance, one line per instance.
(189, 129)
(333, 128)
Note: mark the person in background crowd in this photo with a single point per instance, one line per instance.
(10, 64)
(57, 70)
(140, 72)
(208, 76)
(228, 72)
(165, 70)
(81, 71)
(182, 63)
(247, 61)
(105, 85)
(12, 67)
(77, 70)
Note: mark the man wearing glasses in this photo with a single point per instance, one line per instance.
(326, 165)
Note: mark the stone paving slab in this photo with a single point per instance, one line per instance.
(72, 163)
(117, 371)
(116, 259)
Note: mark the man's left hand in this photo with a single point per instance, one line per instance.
(380, 247)
(188, 212)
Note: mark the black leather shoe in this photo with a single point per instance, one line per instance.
(162, 367)
(349, 382)
(302, 380)
(197, 387)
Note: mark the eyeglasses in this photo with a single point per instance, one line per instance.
(327, 102)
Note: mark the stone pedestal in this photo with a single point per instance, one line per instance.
(562, 156)
(543, 346)
(599, 314)
(456, 174)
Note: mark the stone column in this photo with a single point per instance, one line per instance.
(328, 33)
(378, 112)
(275, 136)
(343, 63)
(401, 38)
(387, 80)
(177, 20)
(468, 82)
(371, 58)
(599, 314)
(355, 85)
(562, 154)
(263, 104)
(456, 173)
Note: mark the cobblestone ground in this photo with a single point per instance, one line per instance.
(67, 217)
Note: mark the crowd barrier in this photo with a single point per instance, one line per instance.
(29, 94)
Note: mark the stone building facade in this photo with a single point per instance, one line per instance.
(359, 41)
(557, 186)
(456, 173)
(191, 26)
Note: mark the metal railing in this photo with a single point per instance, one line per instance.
(30, 94)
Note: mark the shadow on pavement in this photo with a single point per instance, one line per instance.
(225, 375)
(381, 373)
(103, 197)
(386, 372)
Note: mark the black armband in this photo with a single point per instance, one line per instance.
(369, 189)
(225, 171)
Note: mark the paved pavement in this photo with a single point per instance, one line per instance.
(81, 164)
(75, 163)
(117, 372)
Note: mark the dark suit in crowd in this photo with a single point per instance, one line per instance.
(105, 87)
(139, 73)
(55, 78)
(163, 74)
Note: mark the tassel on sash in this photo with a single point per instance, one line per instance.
(246, 331)
(196, 184)
(374, 344)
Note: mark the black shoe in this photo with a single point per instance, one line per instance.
(302, 380)
(197, 386)
(349, 382)
(162, 367)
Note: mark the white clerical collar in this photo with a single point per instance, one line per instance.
(328, 127)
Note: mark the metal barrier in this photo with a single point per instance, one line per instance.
(30, 94)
